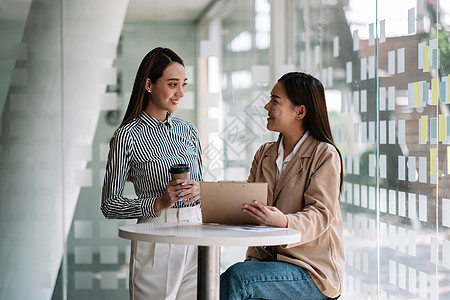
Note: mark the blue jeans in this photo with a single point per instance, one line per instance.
(267, 280)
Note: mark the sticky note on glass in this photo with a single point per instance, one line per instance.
(411, 94)
(416, 94)
(433, 129)
(401, 60)
(423, 208)
(363, 132)
(426, 59)
(383, 132)
(435, 58)
(391, 132)
(441, 128)
(431, 51)
(372, 132)
(382, 31)
(401, 167)
(422, 169)
(355, 40)
(383, 166)
(420, 54)
(391, 62)
(371, 34)
(401, 132)
(447, 127)
(423, 123)
(364, 101)
(371, 67)
(391, 98)
(372, 165)
(448, 160)
(317, 54)
(432, 161)
(349, 72)
(363, 68)
(411, 168)
(434, 87)
(356, 101)
(336, 46)
(411, 20)
(424, 93)
(448, 88)
(356, 132)
(443, 92)
(382, 96)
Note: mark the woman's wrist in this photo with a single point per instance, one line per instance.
(157, 206)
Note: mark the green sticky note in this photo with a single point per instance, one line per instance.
(434, 60)
(425, 89)
(447, 125)
(443, 92)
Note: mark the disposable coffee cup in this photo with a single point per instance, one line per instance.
(180, 171)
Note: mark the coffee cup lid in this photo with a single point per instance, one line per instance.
(179, 169)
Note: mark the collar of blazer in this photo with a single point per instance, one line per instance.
(305, 150)
(295, 166)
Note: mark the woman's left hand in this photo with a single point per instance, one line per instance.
(193, 194)
(267, 215)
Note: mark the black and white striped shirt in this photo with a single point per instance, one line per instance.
(143, 151)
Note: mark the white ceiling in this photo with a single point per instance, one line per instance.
(165, 10)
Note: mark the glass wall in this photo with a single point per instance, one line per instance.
(67, 71)
(30, 149)
(385, 68)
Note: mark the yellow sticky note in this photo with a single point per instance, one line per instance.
(426, 59)
(416, 94)
(423, 128)
(441, 128)
(434, 87)
(432, 161)
(448, 160)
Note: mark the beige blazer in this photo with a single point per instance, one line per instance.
(308, 193)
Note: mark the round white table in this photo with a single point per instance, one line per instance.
(209, 238)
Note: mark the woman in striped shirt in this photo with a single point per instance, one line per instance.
(143, 148)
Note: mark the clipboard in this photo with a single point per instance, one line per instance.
(222, 201)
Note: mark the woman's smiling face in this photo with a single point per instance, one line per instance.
(283, 114)
(167, 92)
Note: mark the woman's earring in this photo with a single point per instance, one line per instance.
(148, 91)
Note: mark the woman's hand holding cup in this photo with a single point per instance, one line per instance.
(180, 188)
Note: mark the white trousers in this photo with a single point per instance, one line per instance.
(165, 271)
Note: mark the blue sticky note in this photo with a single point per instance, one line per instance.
(443, 91)
(447, 122)
(425, 90)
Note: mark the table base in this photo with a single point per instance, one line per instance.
(208, 287)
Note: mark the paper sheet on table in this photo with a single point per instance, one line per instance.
(245, 228)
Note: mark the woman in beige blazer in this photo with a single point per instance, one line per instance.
(303, 169)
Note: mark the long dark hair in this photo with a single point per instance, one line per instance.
(304, 89)
(151, 67)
